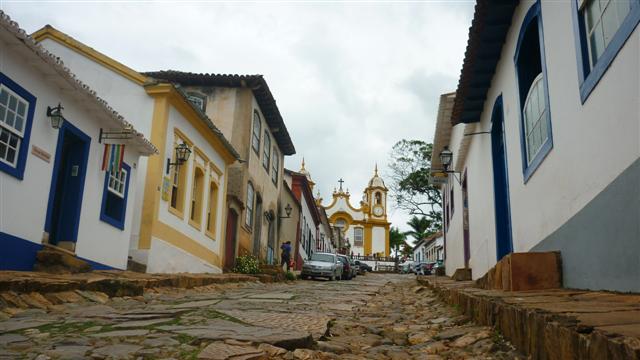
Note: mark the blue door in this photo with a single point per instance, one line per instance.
(504, 243)
(67, 185)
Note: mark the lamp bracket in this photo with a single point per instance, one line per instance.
(123, 134)
(477, 133)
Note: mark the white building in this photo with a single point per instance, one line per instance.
(52, 187)
(179, 212)
(545, 135)
(434, 248)
(310, 223)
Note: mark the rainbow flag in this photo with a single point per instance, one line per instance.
(112, 157)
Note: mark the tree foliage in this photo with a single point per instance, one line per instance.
(410, 165)
(421, 227)
(397, 239)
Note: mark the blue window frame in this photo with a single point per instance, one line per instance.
(17, 106)
(114, 197)
(599, 38)
(536, 140)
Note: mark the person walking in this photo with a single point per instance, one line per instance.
(285, 256)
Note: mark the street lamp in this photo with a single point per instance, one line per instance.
(55, 114)
(445, 157)
(182, 155)
(287, 210)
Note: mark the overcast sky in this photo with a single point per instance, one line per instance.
(350, 79)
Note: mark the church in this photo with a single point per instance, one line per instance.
(365, 229)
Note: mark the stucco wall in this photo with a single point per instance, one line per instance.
(23, 216)
(593, 143)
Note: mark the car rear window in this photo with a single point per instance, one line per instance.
(322, 257)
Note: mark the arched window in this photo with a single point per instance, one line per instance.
(378, 198)
(211, 208)
(266, 156)
(358, 237)
(197, 196)
(255, 134)
(249, 205)
(533, 93)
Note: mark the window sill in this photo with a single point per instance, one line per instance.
(113, 222)
(537, 160)
(176, 212)
(247, 228)
(195, 225)
(210, 235)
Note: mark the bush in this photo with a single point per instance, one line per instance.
(290, 276)
(247, 264)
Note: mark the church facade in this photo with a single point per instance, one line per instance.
(366, 228)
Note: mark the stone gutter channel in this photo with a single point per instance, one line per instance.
(551, 324)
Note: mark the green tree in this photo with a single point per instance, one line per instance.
(421, 227)
(397, 239)
(410, 166)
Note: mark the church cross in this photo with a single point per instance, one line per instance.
(340, 181)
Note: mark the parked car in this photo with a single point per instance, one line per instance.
(347, 270)
(406, 267)
(323, 265)
(424, 268)
(355, 267)
(438, 265)
(364, 267)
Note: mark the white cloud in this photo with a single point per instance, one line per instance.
(350, 79)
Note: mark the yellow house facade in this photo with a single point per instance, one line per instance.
(179, 216)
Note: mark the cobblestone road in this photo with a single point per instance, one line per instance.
(371, 317)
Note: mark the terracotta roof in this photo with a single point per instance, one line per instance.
(146, 147)
(256, 83)
(491, 22)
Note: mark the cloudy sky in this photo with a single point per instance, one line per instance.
(350, 78)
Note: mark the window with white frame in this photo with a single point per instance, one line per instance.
(266, 156)
(249, 205)
(275, 167)
(197, 100)
(117, 182)
(358, 238)
(535, 124)
(255, 134)
(13, 119)
(602, 19)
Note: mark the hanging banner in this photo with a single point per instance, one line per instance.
(112, 157)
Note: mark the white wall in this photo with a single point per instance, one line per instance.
(378, 239)
(592, 142)
(454, 234)
(310, 225)
(24, 216)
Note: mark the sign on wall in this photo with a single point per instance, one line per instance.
(166, 185)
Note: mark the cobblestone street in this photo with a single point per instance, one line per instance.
(377, 316)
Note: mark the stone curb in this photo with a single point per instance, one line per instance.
(538, 333)
(112, 283)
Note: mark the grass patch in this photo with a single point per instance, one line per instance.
(185, 339)
(213, 314)
(67, 327)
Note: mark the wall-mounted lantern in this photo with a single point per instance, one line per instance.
(287, 210)
(55, 114)
(446, 156)
(182, 155)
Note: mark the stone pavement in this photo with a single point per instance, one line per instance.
(377, 316)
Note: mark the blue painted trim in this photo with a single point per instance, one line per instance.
(67, 126)
(588, 79)
(18, 171)
(498, 110)
(534, 13)
(20, 254)
(118, 223)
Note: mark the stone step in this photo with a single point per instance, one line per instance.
(58, 261)
(524, 271)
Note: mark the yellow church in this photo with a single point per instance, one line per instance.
(365, 228)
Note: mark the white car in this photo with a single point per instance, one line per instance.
(322, 265)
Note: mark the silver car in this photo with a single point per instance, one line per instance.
(322, 265)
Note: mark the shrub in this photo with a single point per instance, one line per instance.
(247, 264)
(290, 276)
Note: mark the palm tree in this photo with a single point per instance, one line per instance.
(396, 239)
(420, 227)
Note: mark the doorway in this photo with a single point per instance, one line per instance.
(258, 227)
(67, 186)
(504, 242)
(465, 221)
(230, 240)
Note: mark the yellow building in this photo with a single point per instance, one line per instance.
(179, 217)
(365, 228)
